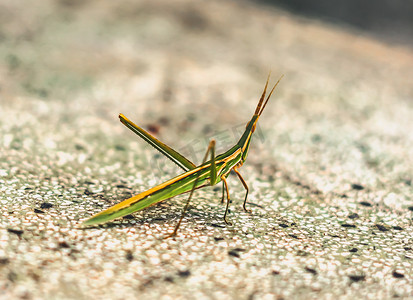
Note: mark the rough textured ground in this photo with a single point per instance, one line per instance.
(330, 169)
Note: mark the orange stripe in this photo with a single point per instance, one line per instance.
(245, 144)
(132, 200)
(227, 159)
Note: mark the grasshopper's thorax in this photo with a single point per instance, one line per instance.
(244, 141)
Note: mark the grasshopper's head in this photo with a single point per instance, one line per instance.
(244, 142)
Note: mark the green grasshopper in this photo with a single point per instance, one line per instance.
(208, 173)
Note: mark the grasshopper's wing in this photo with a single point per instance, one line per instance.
(173, 155)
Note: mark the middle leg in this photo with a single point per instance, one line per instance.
(228, 200)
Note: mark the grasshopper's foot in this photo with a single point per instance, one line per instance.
(171, 235)
(245, 208)
(174, 233)
(227, 222)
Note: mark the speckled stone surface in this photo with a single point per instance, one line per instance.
(330, 169)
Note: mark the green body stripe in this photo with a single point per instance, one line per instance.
(209, 173)
(223, 164)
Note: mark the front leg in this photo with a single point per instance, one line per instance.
(223, 192)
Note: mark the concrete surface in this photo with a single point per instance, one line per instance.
(330, 169)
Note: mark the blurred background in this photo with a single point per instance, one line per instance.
(390, 20)
(156, 59)
(334, 141)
